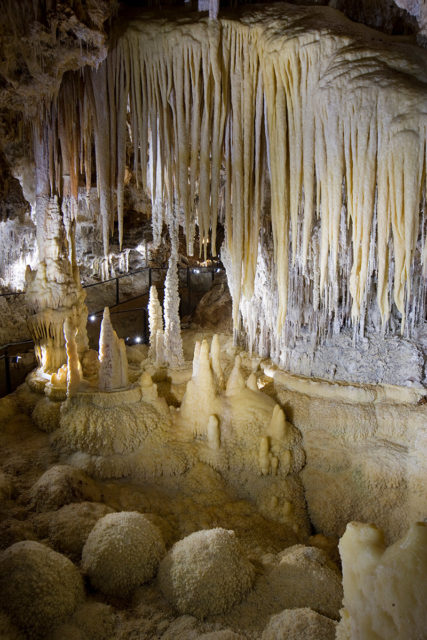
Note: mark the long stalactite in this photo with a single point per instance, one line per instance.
(327, 116)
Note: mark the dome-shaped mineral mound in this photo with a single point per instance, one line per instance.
(300, 624)
(46, 415)
(60, 485)
(206, 573)
(122, 551)
(70, 526)
(39, 587)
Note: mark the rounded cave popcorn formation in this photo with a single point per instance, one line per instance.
(69, 527)
(39, 587)
(61, 485)
(299, 624)
(122, 551)
(206, 573)
(46, 414)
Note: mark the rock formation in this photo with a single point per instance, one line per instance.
(113, 367)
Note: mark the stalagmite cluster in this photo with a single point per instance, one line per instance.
(215, 482)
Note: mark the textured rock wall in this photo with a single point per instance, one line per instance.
(366, 461)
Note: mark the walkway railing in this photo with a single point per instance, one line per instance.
(187, 272)
(12, 353)
(190, 279)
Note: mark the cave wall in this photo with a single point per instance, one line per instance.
(366, 453)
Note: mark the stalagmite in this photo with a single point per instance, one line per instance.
(155, 319)
(213, 432)
(215, 357)
(277, 426)
(196, 357)
(236, 381)
(251, 382)
(74, 368)
(113, 369)
(173, 343)
(201, 399)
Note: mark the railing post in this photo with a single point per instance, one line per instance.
(7, 372)
(150, 278)
(117, 292)
(189, 289)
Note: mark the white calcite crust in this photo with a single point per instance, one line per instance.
(206, 573)
(124, 418)
(39, 587)
(122, 552)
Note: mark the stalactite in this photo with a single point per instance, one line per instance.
(54, 292)
(336, 122)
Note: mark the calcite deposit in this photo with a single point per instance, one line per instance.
(263, 473)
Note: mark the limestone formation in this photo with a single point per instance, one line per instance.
(299, 624)
(291, 141)
(113, 364)
(122, 552)
(70, 526)
(40, 587)
(383, 587)
(60, 485)
(206, 573)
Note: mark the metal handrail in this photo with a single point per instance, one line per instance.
(13, 344)
(212, 270)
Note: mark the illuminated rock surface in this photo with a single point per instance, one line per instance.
(293, 142)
